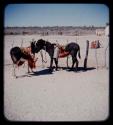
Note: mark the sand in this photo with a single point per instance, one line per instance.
(63, 95)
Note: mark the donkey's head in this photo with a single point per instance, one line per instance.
(37, 46)
(33, 47)
(32, 62)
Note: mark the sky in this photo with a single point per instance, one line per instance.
(56, 15)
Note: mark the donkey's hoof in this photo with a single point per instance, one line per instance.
(16, 77)
(76, 70)
(57, 69)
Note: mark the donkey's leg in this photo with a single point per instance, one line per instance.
(67, 61)
(73, 54)
(51, 64)
(74, 59)
(56, 63)
(76, 64)
(73, 62)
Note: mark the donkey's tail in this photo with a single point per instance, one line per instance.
(79, 53)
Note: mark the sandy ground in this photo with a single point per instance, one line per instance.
(63, 95)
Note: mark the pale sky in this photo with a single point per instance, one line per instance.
(56, 15)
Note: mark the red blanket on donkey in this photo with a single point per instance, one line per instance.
(63, 53)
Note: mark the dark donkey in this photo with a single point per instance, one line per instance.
(72, 48)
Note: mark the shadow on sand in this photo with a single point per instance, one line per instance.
(48, 72)
(42, 72)
(26, 75)
(37, 73)
(80, 69)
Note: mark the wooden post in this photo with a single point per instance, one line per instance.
(86, 57)
(105, 65)
(67, 58)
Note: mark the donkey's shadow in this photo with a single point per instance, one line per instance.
(79, 69)
(47, 70)
(42, 72)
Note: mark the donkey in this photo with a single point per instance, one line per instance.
(72, 48)
(21, 54)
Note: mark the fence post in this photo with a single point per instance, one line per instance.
(106, 49)
(67, 58)
(86, 57)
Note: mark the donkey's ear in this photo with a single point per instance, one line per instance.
(34, 42)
